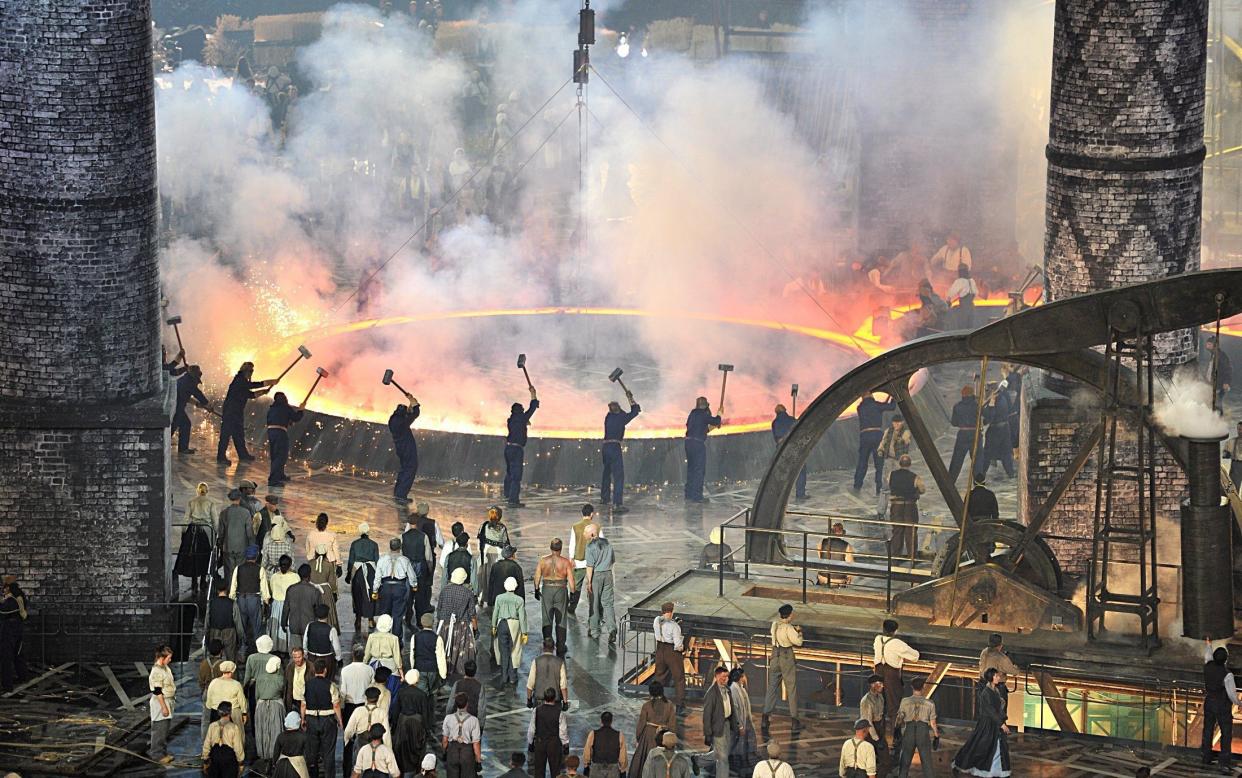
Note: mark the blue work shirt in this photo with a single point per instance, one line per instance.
(187, 389)
(240, 392)
(964, 413)
(871, 413)
(399, 424)
(698, 423)
(781, 425)
(614, 423)
(518, 422)
(283, 415)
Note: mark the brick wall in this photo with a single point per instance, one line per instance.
(83, 416)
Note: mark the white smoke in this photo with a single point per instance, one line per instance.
(703, 196)
(1186, 408)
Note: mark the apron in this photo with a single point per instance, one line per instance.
(298, 763)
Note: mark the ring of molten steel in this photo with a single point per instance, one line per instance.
(865, 348)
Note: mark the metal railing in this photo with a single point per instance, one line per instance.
(912, 573)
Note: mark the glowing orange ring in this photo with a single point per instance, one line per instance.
(865, 348)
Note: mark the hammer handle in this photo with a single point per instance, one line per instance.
(400, 387)
(180, 347)
(287, 369)
(312, 391)
(627, 391)
(529, 385)
(723, 382)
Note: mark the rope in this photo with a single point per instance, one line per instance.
(736, 218)
(970, 485)
(451, 198)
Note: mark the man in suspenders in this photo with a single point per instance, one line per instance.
(782, 668)
(891, 654)
(460, 741)
(773, 767)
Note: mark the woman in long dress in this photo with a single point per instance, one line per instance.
(986, 752)
(194, 553)
(657, 715)
(742, 757)
(323, 575)
(269, 711)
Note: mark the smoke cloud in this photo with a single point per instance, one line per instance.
(708, 189)
(1186, 408)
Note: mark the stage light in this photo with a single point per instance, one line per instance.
(623, 47)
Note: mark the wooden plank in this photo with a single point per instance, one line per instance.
(142, 670)
(126, 702)
(935, 677)
(39, 679)
(1163, 765)
(1056, 703)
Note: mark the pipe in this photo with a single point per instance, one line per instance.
(1207, 552)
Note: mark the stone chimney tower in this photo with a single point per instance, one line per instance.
(1125, 175)
(83, 416)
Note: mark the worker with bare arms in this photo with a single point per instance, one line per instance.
(554, 583)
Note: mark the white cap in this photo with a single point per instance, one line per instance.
(510, 584)
(411, 677)
(715, 535)
(364, 528)
(273, 664)
(429, 762)
(458, 576)
(264, 644)
(384, 623)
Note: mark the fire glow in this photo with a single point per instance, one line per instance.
(753, 407)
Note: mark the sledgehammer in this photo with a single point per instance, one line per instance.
(522, 364)
(303, 353)
(615, 377)
(322, 374)
(387, 381)
(723, 381)
(173, 321)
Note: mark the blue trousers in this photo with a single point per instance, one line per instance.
(961, 450)
(408, 456)
(800, 489)
(515, 458)
(868, 451)
(278, 449)
(232, 428)
(696, 467)
(251, 608)
(613, 484)
(392, 597)
(997, 449)
(181, 428)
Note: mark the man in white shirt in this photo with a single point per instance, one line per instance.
(891, 654)
(773, 767)
(782, 669)
(460, 740)
(355, 678)
(951, 255)
(362, 723)
(395, 582)
(857, 755)
(1220, 698)
(376, 755)
(669, 659)
(963, 290)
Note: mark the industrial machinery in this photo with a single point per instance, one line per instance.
(994, 566)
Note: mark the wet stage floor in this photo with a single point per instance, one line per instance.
(660, 537)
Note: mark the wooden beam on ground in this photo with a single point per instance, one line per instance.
(935, 677)
(39, 679)
(1056, 703)
(126, 702)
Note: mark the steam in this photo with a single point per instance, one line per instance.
(1186, 409)
(705, 194)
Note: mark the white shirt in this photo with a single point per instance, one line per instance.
(441, 657)
(333, 635)
(857, 753)
(161, 677)
(355, 678)
(893, 652)
(579, 564)
(361, 720)
(562, 730)
(949, 259)
(960, 288)
(1231, 686)
(668, 631)
(376, 758)
(393, 566)
(765, 769)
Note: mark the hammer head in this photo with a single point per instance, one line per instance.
(321, 371)
(521, 360)
(794, 390)
(614, 375)
(304, 351)
(387, 377)
(174, 320)
(724, 367)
